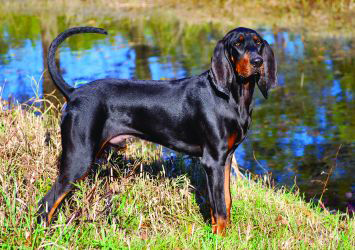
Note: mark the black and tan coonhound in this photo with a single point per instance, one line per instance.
(206, 115)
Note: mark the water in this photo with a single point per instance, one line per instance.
(295, 134)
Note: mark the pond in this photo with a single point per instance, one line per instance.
(304, 132)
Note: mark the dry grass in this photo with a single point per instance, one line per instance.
(321, 17)
(120, 206)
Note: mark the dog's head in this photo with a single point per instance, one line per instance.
(243, 55)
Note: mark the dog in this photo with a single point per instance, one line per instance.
(206, 116)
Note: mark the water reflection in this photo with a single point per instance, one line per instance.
(295, 134)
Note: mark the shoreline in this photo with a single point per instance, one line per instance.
(314, 18)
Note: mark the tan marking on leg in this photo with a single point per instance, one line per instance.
(221, 226)
(55, 205)
(227, 193)
(213, 221)
(59, 200)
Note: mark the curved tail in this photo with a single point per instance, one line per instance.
(58, 80)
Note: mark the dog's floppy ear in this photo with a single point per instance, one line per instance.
(223, 74)
(268, 78)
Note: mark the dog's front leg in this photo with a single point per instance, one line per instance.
(218, 185)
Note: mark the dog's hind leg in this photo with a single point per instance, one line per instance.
(78, 154)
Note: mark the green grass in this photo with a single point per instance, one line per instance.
(120, 206)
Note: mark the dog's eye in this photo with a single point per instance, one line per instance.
(238, 44)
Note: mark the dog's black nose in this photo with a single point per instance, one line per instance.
(257, 61)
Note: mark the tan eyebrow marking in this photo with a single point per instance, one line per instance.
(256, 38)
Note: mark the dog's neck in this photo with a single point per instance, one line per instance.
(242, 92)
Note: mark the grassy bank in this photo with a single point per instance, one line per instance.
(135, 200)
(321, 17)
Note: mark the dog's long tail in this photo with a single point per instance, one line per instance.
(58, 80)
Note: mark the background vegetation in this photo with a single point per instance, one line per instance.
(320, 17)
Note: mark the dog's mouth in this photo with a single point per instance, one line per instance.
(254, 77)
(256, 70)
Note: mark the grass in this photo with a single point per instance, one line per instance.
(320, 17)
(133, 199)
